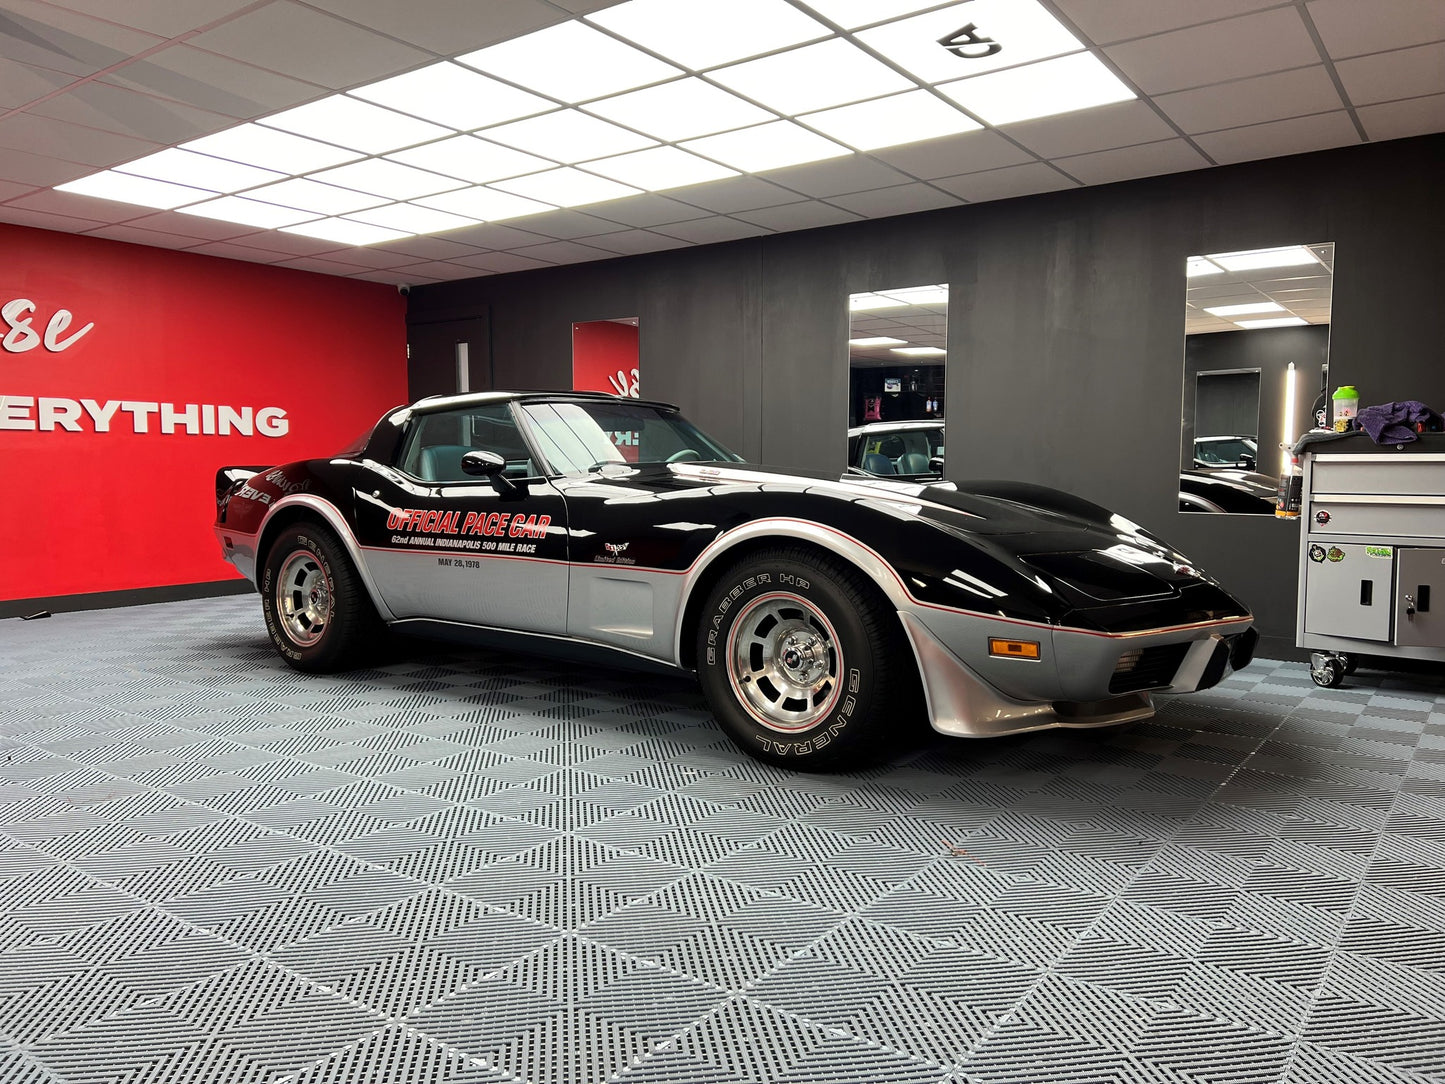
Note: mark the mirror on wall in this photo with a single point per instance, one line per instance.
(1256, 363)
(897, 354)
(606, 357)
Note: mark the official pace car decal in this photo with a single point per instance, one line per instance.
(483, 532)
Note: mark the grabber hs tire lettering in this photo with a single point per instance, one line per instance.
(317, 611)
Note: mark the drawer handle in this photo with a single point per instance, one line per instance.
(1367, 592)
(1422, 598)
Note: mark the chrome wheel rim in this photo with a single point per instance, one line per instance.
(784, 662)
(303, 598)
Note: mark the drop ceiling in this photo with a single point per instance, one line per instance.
(446, 139)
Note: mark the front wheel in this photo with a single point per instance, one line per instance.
(317, 612)
(804, 664)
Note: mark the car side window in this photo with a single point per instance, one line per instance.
(436, 443)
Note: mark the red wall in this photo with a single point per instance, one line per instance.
(89, 503)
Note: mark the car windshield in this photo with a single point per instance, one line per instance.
(1224, 451)
(581, 436)
(899, 451)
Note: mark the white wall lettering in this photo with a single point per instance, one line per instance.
(20, 334)
(49, 414)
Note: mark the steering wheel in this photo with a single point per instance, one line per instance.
(687, 455)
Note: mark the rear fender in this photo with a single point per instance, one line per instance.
(285, 510)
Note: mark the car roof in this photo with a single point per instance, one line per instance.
(434, 403)
(889, 427)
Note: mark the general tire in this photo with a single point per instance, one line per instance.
(317, 611)
(804, 664)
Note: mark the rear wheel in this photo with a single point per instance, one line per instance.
(317, 611)
(804, 664)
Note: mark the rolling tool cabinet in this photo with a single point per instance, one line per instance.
(1372, 553)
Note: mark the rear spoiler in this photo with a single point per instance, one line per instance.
(227, 477)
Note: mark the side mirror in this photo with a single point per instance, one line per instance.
(483, 464)
(1247, 461)
(936, 464)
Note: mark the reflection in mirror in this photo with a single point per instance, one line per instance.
(897, 347)
(1256, 352)
(605, 357)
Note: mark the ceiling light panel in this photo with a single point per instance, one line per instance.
(271, 149)
(472, 159)
(920, 295)
(830, 73)
(247, 212)
(566, 187)
(1197, 266)
(390, 179)
(767, 146)
(1289, 256)
(869, 302)
(409, 218)
(485, 204)
(703, 39)
(660, 168)
(920, 351)
(355, 124)
(682, 109)
(877, 340)
(572, 62)
(142, 191)
(851, 14)
(455, 96)
(199, 171)
(888, 122)
(1283, 321)
(1050, 87)
(309, 195)
(1242, 310)
(568, 136)
(1003, 33)
(345, 232)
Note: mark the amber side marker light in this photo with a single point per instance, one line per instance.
(1014, 649)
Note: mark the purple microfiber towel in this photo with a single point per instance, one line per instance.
(1394, 423)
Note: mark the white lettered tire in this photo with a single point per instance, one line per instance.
(317, 611)
(804, 664)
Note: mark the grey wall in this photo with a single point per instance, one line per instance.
(1065, 327)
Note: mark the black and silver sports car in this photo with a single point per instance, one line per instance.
(822, 617)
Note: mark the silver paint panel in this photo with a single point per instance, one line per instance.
(635, 609)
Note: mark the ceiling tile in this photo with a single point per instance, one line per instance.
(564, 252)
(1396, 120)
(835, 176)
(213, 82)
(645, 210)
(706, 231)
(631, 242)
(970, 152)
(1294, 136)
(366, 256)
(164, 18)
(1230, 49)
(321, 265)
(1351, 28)
(501, 262)
(43, 220)
(1403, 73)
(132, 234)
(1123, 163)
(71, 142)
(491, 235)
(128, 112)
(798, 216)
(447, 27)
(203, 229)
(1106, 21)
(295, 244)
(22, 83)
(426, 248)
(1120, 125)
(1002, 183)
(393, 278)
(899, 200)
(11, 189)
(51, 37)
(228, 251)
(295, 40)
(734, 194)
(565, 225)
(37, 169)
(438, 270)
(76, 206)
(1252, 101)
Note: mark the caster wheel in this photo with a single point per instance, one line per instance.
(1330, 674)
(1352, 663)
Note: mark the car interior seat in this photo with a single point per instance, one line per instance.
(913, 463)
(443, 463)
(892, 446)
(874, 463)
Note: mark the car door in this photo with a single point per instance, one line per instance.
(449, 546)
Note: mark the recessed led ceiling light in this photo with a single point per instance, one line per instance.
(1242, 310)
(198, 170)
(142, 191)
(920, 295)
(391, 179)
(851, 14)
(458, 97)
(869, 302)
(660, 168)
(1283, 321)
(888, 122)
(1003, 33)
(355, 124)
(877, 340)
(1062, 85)
(767, 146)
(485, 204)
(700, 39)
(408, 218)
(1196, 266)
(345, 232)
(830, 73)
(682, 109)
(472, 159)
(270, 149)
(919, 351)
(568, 136)
(572, 62)
(247, 212)
(566, 187)
(324, 199)
(1289, 256)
